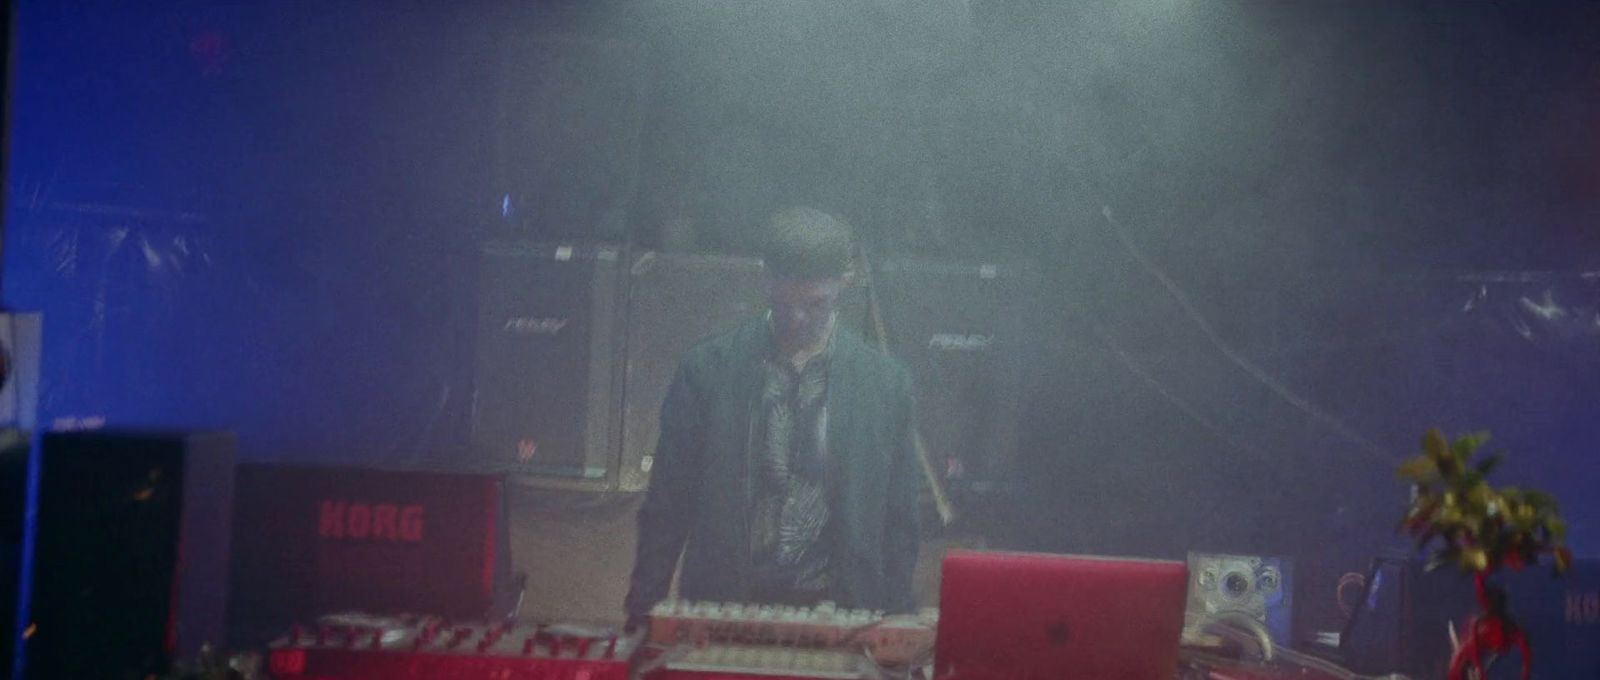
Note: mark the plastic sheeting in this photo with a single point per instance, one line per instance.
(149, 325)
(1268, 419)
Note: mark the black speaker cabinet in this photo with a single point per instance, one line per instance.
(575, 354)
(130, 553)
(547, 399)
(962, 329)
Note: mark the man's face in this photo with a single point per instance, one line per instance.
(802, 308)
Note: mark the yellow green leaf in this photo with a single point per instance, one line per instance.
(1448, 515)
(1466, 444)
(1420, 469)
(1435, 446)
(1479, 495)
(1557, 527)
(1525, 514)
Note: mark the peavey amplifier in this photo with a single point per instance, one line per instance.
(962, 329)
(313, 540)
(546, 398)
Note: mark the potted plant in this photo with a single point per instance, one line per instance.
(1460, 519)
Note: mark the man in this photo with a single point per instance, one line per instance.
(785, 471)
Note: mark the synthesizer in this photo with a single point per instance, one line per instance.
(749, 631)
(426, 648)
(753, 662)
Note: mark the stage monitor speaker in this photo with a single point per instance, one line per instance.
(1256, 587)
(547, 398)
(311, 541)
(962, 329)
(129, 569)
(676, 300)
(20, 338)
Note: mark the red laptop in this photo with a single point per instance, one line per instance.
(1017, 616)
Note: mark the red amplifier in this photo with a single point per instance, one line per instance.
(411, 648)
(311, 540)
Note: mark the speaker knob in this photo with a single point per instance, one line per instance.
(1236, 584)
(1267, 581)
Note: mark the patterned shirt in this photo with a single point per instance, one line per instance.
(791, 513)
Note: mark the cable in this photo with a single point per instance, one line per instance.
(1138, 369)
(1241, 628)
(1222, 346)
(941, 499)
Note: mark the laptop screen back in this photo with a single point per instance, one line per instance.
(1035, 617)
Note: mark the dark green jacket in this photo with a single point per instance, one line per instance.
(699, 501)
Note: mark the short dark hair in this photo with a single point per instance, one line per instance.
(806, 243)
